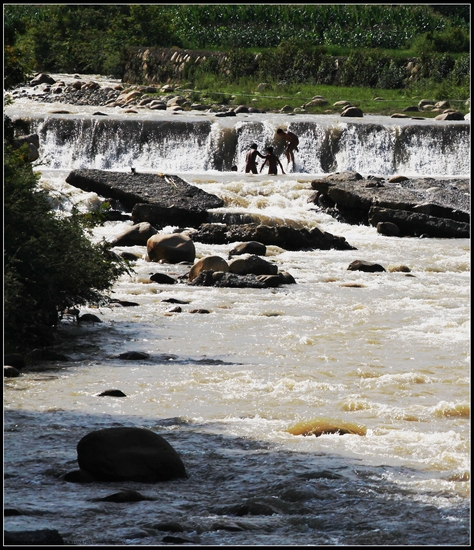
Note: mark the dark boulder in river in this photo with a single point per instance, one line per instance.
(419, 206)
(39, 537)
(128, 454)
(283, 236)
(158, 199)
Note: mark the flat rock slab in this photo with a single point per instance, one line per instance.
(167, 191)
(430, 207)
(452, 194)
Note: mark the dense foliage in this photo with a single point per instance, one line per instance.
(50, 263)
(344, 25)
(443, 75)
(93, 39)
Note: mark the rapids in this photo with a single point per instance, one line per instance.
(389, 352)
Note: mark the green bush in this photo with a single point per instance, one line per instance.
(365, 69)
(452, 40)
(461, 74)
(290, 62)
(241, 64)
(327, 71)
(50, 263)
(393, 75)
(17, 71)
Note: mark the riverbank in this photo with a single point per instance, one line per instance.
(349, 102)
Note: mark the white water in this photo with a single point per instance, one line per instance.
(388, 351)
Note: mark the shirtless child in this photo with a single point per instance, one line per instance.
(291, 144)
(273, 162)
(251, 159)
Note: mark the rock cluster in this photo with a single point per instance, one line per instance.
(127, 97)
(161, 200)
(179, 98)
(398, 206)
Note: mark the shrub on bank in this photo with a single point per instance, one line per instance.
(50, 264)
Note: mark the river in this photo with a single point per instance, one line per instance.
(388, 352)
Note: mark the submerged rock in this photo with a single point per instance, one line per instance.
(368, 267)
(112, 393)
(320, 426)
(225, 279)
(250, 247)
(124, 496)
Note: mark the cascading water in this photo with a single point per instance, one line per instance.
(208, 143)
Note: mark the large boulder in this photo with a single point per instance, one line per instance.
(388, 229)
(42, 78)
(129, 454)
(248, 264)
(159, 199)
(170, 248)
(30, 138)
(138, 234)
(208, 263)
(451, 115)
(32, 142)
(428, 206)
(163, 215)
(352, 112)
(413, 224)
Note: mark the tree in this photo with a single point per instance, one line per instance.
(17, 64)
(15, 71)
(50, 262)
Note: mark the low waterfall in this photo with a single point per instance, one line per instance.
(204, 143)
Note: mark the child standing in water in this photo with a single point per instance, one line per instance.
(291, 144)
(273, 162)
(251, 159)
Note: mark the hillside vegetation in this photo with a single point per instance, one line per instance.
(294, 40)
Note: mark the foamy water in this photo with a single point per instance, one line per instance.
(388, 352)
